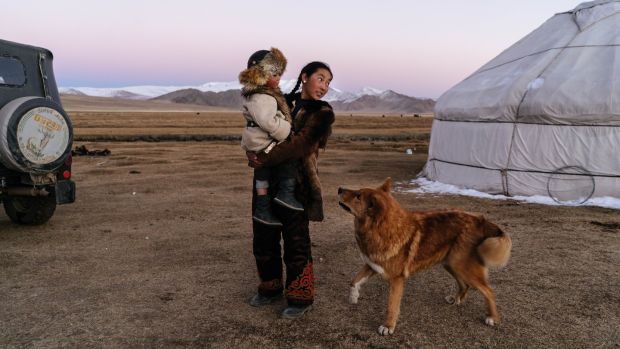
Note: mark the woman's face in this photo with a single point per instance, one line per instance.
(316, 85)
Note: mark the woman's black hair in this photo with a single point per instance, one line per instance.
(308, 69)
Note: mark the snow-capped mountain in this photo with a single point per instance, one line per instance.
(224, 94)
(386, 101)
(129, 92)
(150, 91)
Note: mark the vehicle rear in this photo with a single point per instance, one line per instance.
(36, 136)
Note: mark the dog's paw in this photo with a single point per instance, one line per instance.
(384, 330)
(453, 300)
(354, 295)
(490, 322)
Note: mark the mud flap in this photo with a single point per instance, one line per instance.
(65, 192)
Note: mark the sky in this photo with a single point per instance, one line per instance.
(419, 48)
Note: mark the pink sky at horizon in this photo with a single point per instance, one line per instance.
(419, 48)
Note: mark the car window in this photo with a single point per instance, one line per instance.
(12, 72)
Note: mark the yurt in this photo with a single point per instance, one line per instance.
(541, 118)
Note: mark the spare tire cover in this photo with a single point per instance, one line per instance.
(35, 134)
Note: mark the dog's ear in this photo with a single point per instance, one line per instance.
(387, 185)
(373, 205)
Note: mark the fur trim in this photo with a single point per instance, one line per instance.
(257, 75)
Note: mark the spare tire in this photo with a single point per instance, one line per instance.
(35, 135)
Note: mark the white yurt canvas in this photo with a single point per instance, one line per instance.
(542, 118)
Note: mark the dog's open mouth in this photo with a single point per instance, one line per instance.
(344, 206)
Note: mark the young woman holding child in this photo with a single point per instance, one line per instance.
(311, 127)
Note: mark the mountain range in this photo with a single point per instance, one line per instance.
(227, 95)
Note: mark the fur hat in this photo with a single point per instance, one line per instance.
(261, 66)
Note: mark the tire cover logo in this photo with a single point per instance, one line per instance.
(42, 135)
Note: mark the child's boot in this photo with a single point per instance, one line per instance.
(286, 195)
(262, 212)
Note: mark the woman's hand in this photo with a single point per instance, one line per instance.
(253, 159)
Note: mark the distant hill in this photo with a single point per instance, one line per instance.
(77, 103)
(226, 99)
(386, 101)
(73, 92)
(227, 95)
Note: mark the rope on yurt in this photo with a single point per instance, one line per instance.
(580, 172)
(504, 175)
(526, 171)
(542, 51)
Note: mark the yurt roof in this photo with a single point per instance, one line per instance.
(567, 71)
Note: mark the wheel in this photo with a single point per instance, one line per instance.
(35, 135)
(29, 210)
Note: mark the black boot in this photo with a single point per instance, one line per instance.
(262, 212)
(259, 300)
(286, 195)
(295, 312)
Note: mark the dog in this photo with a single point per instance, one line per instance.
(396, 243)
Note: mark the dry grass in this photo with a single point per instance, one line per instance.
(196, 126)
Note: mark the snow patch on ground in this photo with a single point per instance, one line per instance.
(425, 186)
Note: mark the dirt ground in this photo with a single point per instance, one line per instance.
(156, 252)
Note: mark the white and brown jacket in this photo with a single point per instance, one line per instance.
(265, 109)
(267, 116)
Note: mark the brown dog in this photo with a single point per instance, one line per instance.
(396, 243)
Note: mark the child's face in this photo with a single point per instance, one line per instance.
(274, 81)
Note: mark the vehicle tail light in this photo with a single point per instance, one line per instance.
(66, 174)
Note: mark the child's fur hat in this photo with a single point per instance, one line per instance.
(261, 66)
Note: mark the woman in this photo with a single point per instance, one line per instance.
(312, 120)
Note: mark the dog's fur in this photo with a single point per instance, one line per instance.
(396, 243)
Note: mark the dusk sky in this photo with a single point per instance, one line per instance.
(419, 48)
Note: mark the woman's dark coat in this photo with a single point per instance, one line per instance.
(312, 126)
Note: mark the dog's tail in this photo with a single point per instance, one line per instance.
(495, 249)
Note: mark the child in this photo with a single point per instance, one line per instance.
(268, 123)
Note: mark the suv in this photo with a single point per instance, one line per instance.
(35, 136)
